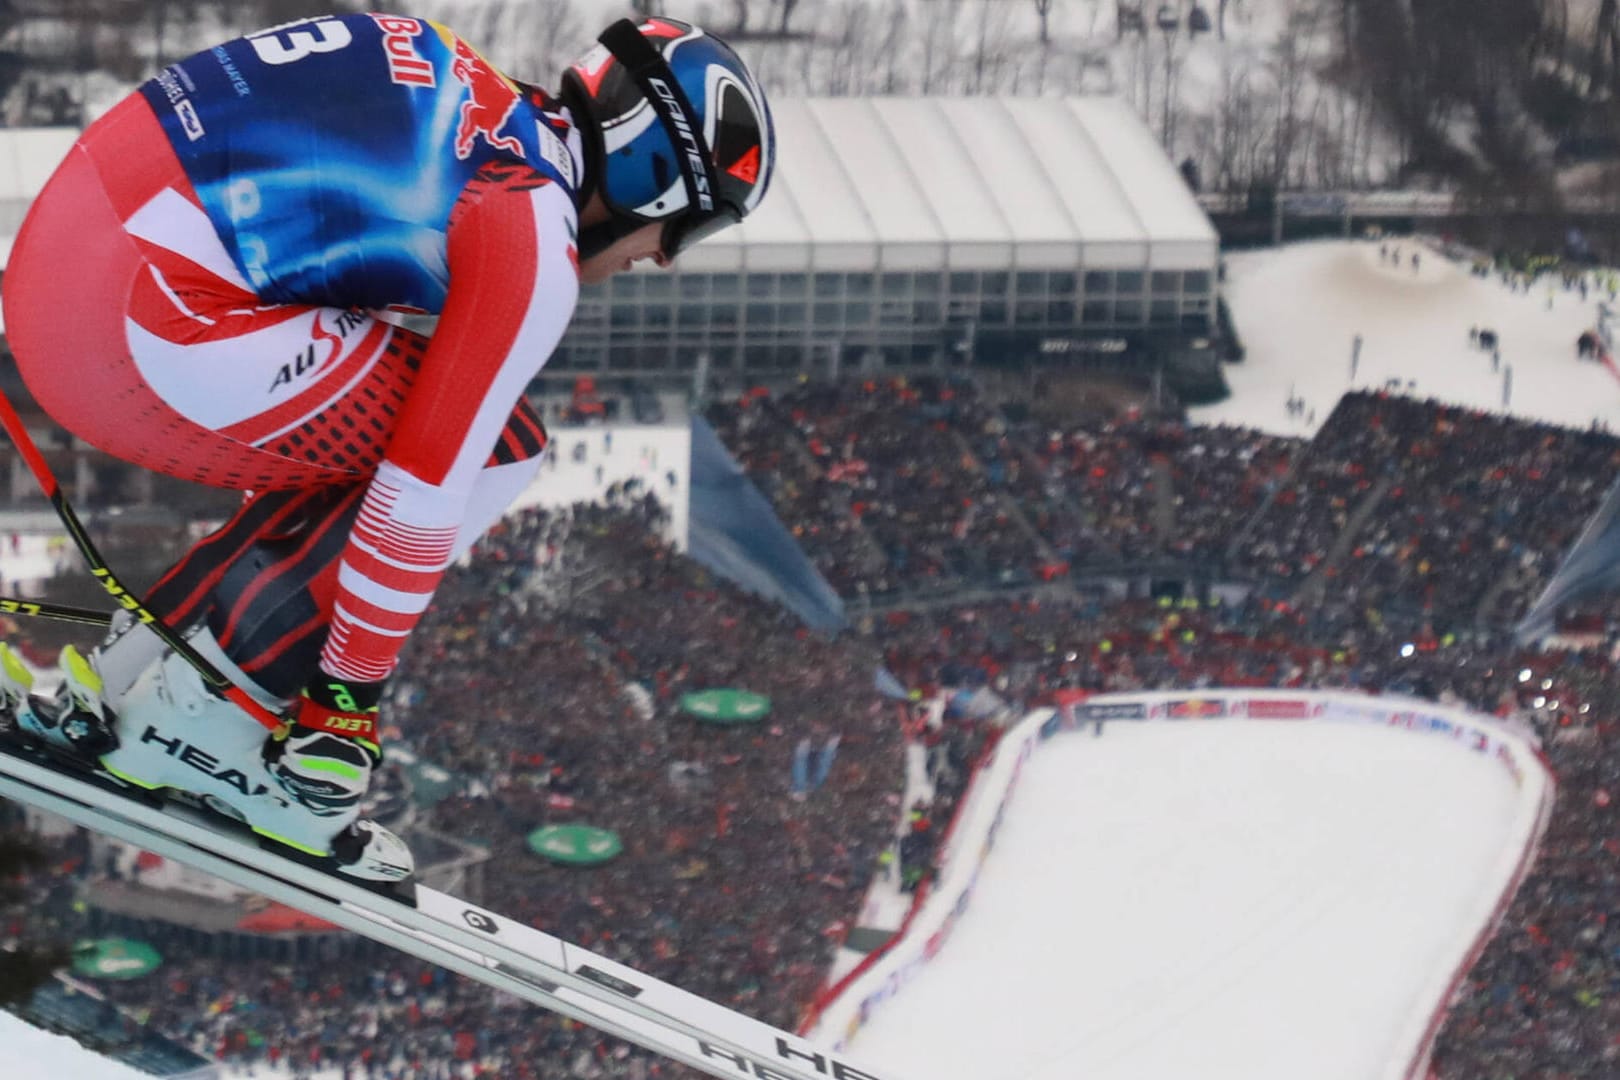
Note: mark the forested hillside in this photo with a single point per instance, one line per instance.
(1503, 99)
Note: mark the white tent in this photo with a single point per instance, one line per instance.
(966, 183)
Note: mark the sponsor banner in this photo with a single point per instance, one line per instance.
(1355, 714)
(1420, 722)
(1113, 710)
(1195, 709)
(1276, 709)
(1430, 724)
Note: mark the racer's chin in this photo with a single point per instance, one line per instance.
(595, 271)
(619, 256)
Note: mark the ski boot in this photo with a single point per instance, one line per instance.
(176, 735)
(76, 723)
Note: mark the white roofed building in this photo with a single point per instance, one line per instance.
(929, 233)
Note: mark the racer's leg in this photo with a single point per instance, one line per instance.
(266, 580)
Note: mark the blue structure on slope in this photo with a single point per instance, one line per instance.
(735, 532)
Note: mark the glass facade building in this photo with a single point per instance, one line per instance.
(660, 323)
(927, 232)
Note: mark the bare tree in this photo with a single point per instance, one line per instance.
(530, 39)
(1290, 65)
(992, 42)
(785, 10)
(1605, 57)
(1220, 143)
(891, 50)
(859, 48)
(276, 12)
(852, 28)
(1043, 11)
(938, 46)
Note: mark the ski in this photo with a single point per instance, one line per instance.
(440, 929)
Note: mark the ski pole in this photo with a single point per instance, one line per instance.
(98, 567)
(44, 609)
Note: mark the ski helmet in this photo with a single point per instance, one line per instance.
(675, 130)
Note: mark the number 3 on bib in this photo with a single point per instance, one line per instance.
(295, 40)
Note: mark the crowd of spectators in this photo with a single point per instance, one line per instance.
(903, 487)
(379, 1017)
(37, 878)
(809, 496)
(1431, 517)
(1296, 529)
(1589, 618)
(1479, 513)
(1089, 489)
(1222, 477)
(578, 718)
(954, 743)
(548, 679)
(895, 460)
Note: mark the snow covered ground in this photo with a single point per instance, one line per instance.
(582, 461)
(1236, 900)
(32, 1054)
(1299, 308)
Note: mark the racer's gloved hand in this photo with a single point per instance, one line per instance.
(342, 708)
(326, 758)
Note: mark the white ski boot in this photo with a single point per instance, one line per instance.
(173, 734)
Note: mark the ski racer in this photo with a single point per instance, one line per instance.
(210, 286)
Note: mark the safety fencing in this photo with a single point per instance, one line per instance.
(840, 1012)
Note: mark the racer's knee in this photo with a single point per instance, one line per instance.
(494, 492)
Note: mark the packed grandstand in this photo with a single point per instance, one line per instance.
(979, 542)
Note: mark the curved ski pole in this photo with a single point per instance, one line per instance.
(98, 567)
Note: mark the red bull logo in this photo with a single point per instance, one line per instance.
(1195, 708)
(491, 98)
(405, 65)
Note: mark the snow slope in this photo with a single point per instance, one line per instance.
(32, 1053)
(1299, 308)
(1234, 900)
